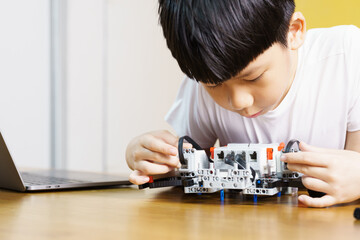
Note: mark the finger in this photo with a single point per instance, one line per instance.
(157, 145)
(187, 145)
(308, 158)
(156, 157)
(168, 137)
(309, 148)
(138, 178)
(315, 184)
(324, 201)
(312, 171)
(172, 140)
(150, 168)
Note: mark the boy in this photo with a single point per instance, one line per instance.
(256, 79)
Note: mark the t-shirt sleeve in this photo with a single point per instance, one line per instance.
(352, 49)
(189, 114)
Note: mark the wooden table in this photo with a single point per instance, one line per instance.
(168, 213)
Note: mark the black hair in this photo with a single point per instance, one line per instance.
(213, 40)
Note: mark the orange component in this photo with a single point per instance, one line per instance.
(151, 179)
(212, 152)
(281, 146)
(269, 153)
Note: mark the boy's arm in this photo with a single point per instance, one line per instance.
(353, 141)
(334, 172)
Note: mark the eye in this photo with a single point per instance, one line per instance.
(255, 79)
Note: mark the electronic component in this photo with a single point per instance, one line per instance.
(254, 169)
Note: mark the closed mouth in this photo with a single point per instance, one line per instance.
(255, 115)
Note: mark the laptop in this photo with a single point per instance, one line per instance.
(11, 178)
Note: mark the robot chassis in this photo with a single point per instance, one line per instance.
(253, 169)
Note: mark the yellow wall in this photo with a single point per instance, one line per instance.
(327, 13)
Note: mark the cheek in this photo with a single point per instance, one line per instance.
(267, 96)
(272, 90)
(280, 77)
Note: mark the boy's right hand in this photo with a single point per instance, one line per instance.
(152, 153)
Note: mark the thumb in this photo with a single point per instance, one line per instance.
(137, 178)
(324, 201)
(187, 145)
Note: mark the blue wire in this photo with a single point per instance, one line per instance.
(222, 195)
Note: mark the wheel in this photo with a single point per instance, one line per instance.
(315, 194)
(292, 146)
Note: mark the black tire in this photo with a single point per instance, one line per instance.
(315, 194)
(292, 146)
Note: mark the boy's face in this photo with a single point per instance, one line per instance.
(261, 86)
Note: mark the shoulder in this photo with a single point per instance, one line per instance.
(322, 43)
(192, 100)
(194, 94)
(191, 113)
(187, 86)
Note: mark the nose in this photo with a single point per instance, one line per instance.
(240, 99)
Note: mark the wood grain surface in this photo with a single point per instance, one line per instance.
(168, 213)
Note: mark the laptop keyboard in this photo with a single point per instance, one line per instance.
(33, 179)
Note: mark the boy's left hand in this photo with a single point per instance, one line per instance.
(334, 172)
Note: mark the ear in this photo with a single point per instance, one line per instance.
(297, 31)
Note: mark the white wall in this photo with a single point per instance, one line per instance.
(84, 84)
(24, 80)
(143, 77)
(121, 80)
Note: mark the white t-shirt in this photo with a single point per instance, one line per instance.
(320, 107)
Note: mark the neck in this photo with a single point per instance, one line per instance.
(293, 68)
